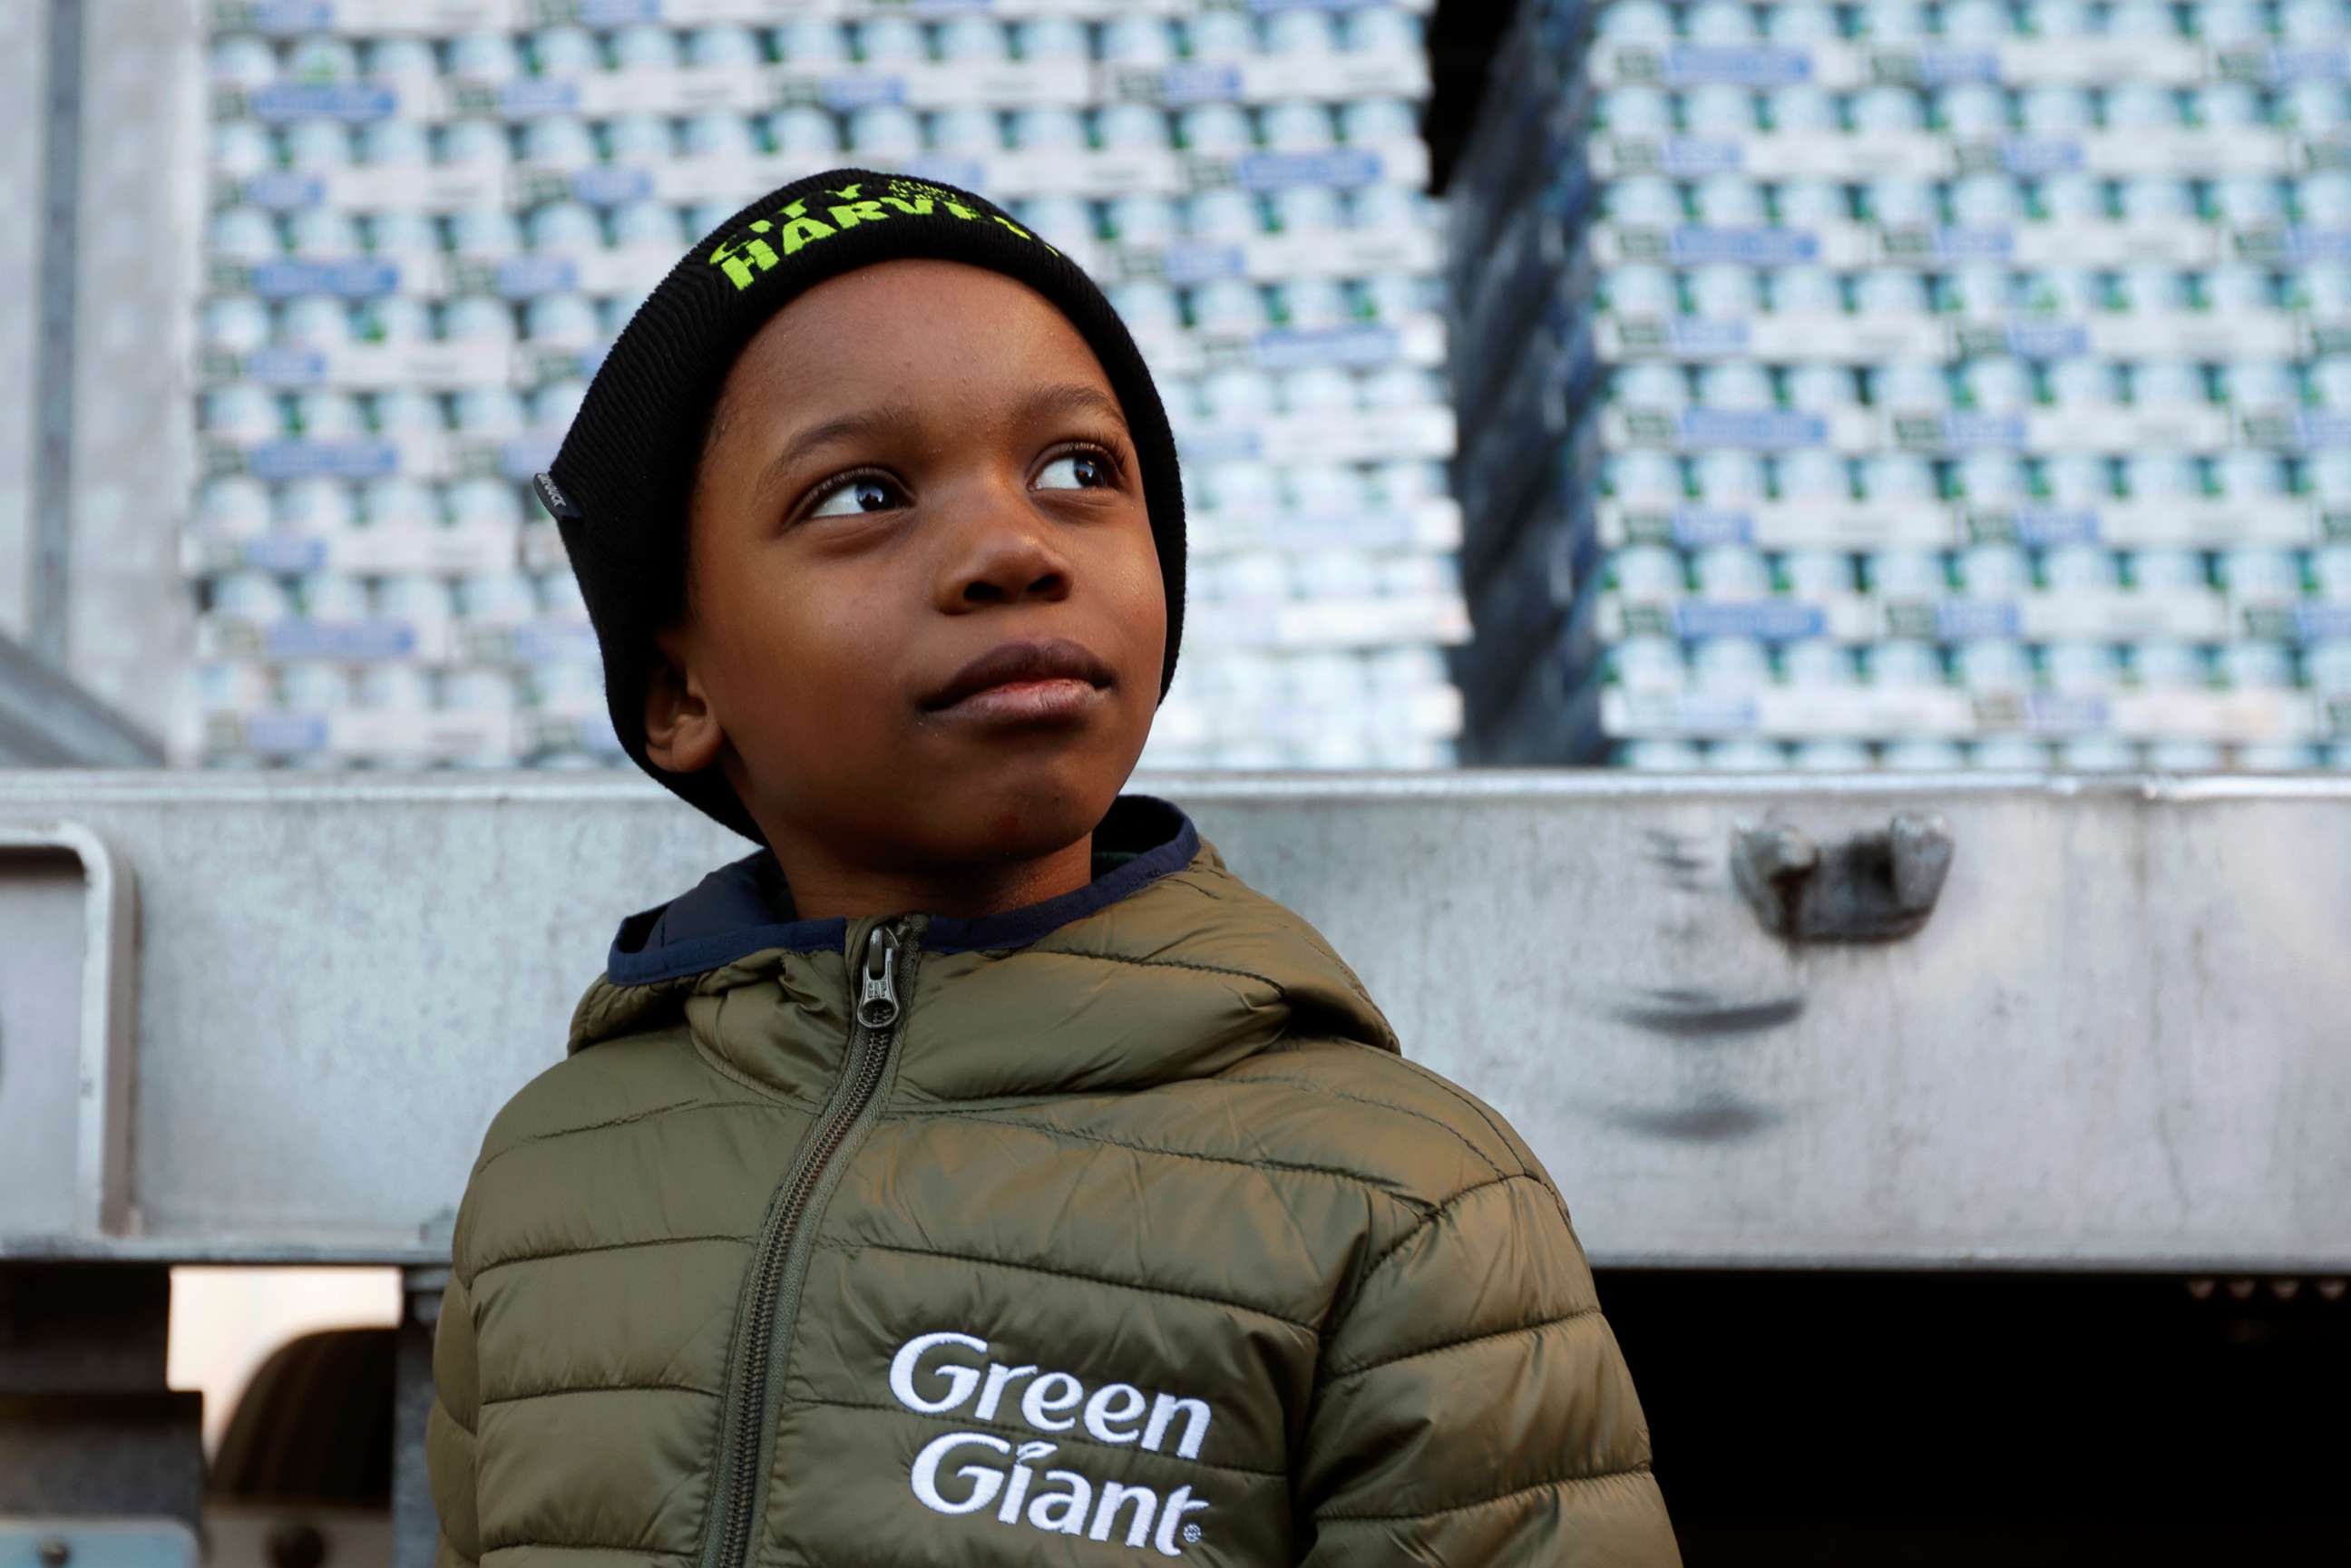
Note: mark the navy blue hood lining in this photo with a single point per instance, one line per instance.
(736, 910)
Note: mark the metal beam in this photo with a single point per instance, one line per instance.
(416, 1523)
(86, 1423)
(53, 357)
(48, 721)
(2114, 1040)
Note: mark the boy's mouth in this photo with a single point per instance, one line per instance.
(1047, 674)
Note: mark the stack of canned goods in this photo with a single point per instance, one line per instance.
(428, 222)
(1909, 385)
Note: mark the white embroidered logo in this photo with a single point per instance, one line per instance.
(980, 1469)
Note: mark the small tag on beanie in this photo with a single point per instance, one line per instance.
(559, 505)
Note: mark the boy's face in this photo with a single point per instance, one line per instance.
(908, 465)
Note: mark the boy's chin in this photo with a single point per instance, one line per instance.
(1031, 806)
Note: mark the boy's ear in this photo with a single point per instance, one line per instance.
(681, 733)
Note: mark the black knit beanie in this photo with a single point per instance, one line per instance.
(619, 483)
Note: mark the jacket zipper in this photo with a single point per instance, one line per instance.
(776, 1280)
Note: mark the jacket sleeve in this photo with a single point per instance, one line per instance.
(1473, 1408)
(449, 1431)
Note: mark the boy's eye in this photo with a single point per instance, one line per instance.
(1077, 471)
(867, 493)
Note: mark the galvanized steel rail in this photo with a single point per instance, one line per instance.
(2121, 1037)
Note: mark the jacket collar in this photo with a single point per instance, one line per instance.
(1165, 966)
(733, 911)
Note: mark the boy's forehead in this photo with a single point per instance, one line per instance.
(917, 299)
(894, 327)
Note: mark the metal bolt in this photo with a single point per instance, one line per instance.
(296, 1546)
(1874, 887)
(1920, 849)
(1770, 865)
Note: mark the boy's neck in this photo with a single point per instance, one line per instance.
(822, 886)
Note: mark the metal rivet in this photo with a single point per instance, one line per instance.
(55, 1554)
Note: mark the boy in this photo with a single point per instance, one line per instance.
(980, 1173)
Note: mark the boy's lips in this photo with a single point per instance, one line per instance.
(1026, 702)
(1044, 665)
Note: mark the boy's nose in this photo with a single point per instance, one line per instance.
(1002, 550)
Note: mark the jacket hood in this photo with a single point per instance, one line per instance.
(1165, 966)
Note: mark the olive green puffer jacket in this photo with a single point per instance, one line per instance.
(1112, 1229)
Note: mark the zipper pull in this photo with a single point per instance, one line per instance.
(877, 1005)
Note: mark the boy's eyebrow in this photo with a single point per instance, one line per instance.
(865, 422)
(1071, 397)
(1060, 398)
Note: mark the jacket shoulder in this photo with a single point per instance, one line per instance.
(535, 1177)
(620, 1081)
(1405, 1127)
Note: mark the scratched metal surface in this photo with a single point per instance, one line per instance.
(2120, 1042)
